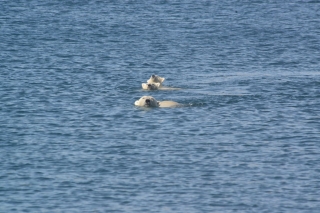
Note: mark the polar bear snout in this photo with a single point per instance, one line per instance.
(148, 102)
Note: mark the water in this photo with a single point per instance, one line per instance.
(246, 139)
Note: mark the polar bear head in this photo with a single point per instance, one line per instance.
(153, 86)
(147, 101)
(155, 79)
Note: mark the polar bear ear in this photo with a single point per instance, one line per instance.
(155, 79)
(161, 79)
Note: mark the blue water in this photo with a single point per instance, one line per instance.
(247, 138)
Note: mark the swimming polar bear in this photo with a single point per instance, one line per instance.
(157, 86)
(149, 101)
(153, 86)
(155, 83)
(155, 79)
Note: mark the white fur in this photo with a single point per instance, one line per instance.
(149, 101)
(155, 79)
(168, 104)
(153, 86)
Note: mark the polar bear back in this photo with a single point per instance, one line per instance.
(168, 104)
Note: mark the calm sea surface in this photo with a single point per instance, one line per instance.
(247, 138)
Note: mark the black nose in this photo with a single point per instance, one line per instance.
(148, 101)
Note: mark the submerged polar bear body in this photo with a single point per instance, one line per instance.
(168, 104)
(149, 101)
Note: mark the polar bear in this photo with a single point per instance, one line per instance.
(153, 86)
(149, 101)
(155, 79)
(155, 83)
